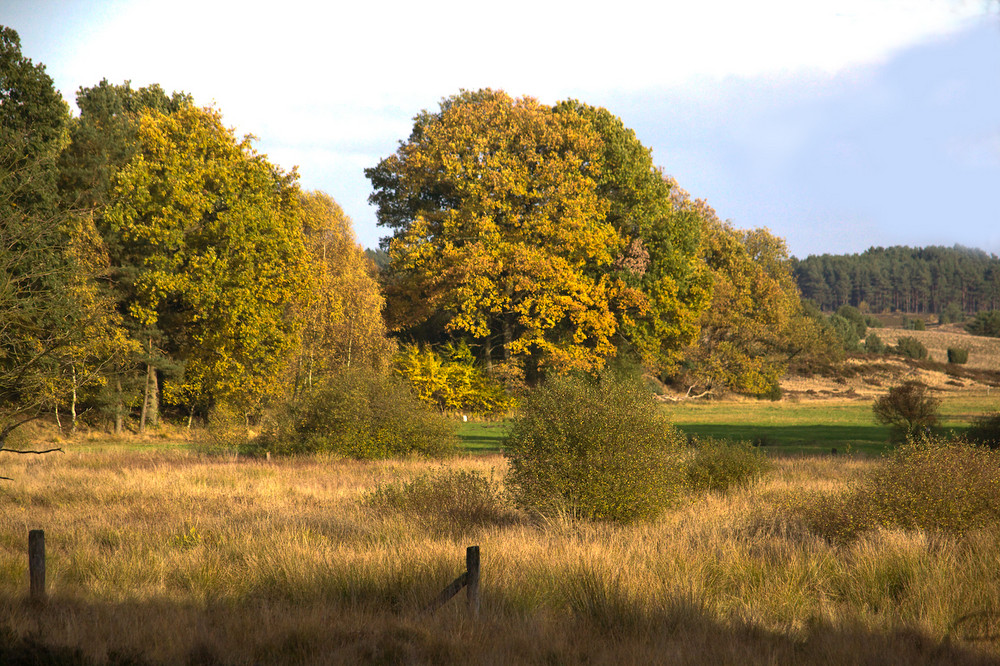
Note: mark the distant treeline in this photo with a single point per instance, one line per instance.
(921, 280)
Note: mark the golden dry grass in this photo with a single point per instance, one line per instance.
(984, 352)
(168, 557)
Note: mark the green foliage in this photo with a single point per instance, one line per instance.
(916, 324)
(451, 380)
(985, 431)
(874, 344)
(985, 323)
(597, 448)
(908, 409)
(952, 313)
(910, 347)
(359, 414)
(935, 484)
(452, 500)
(718, 465)
(853, 315)
(846, 332)
(903, 279)
(959, 355)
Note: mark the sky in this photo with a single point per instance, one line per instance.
(838, 125)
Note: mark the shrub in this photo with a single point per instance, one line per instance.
(597, 448)
(449, 499)
(853, 315)
(845, 331)
(938, 485)
(360, 414)
(718, 465)
(874, 344)
(908, 409)
(985, 431)
(958, 355)
(951, 313)
(911, 348)
(985, 323)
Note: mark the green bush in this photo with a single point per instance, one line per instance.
(845, 331)
(951, 313)
(908, 410)
(985, 323)
(985, 431)
(874, 344)
(360, 414)
(595, 448)
(911, 348)
(936, 485)
(718, 465)
(853, 315)
(958, 355)
(449, 500)
(914, 324)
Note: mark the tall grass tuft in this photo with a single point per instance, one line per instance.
(937, 485)
(720, 465)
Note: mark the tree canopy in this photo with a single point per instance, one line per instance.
(544, 231)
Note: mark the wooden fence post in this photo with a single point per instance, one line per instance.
(36, 564)
(472, 579)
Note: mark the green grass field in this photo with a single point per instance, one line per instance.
(814, 427)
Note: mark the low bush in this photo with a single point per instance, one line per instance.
(985, 431)
(449, 500)
(907, 409)
(360, 414)
(958, 355)
(911, 348)
(598, 448)
(874, 344)
(935, 485)
(719, 465)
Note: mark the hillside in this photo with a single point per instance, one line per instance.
(865, 376)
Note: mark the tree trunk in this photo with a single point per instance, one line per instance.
(150, 399)
(72, 405)
(119, 406)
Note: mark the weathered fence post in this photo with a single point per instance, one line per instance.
(472, 579)
(36, 564)
(469, 579)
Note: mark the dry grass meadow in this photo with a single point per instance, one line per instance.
(160, 555)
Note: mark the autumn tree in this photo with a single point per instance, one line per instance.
(342, 312)
(41, 316)
(498, 231)
(660, 284)
(213, 232)
(755, 324)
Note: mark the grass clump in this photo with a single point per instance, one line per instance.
(937, 485)
(448, 499)
(360, 414)
(720, 465)
(597, 448)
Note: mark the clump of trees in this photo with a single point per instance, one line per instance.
(151, 258)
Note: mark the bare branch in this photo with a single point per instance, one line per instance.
(687, 396)
(29, 451)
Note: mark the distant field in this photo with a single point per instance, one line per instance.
(812, 426)
(984, 352)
